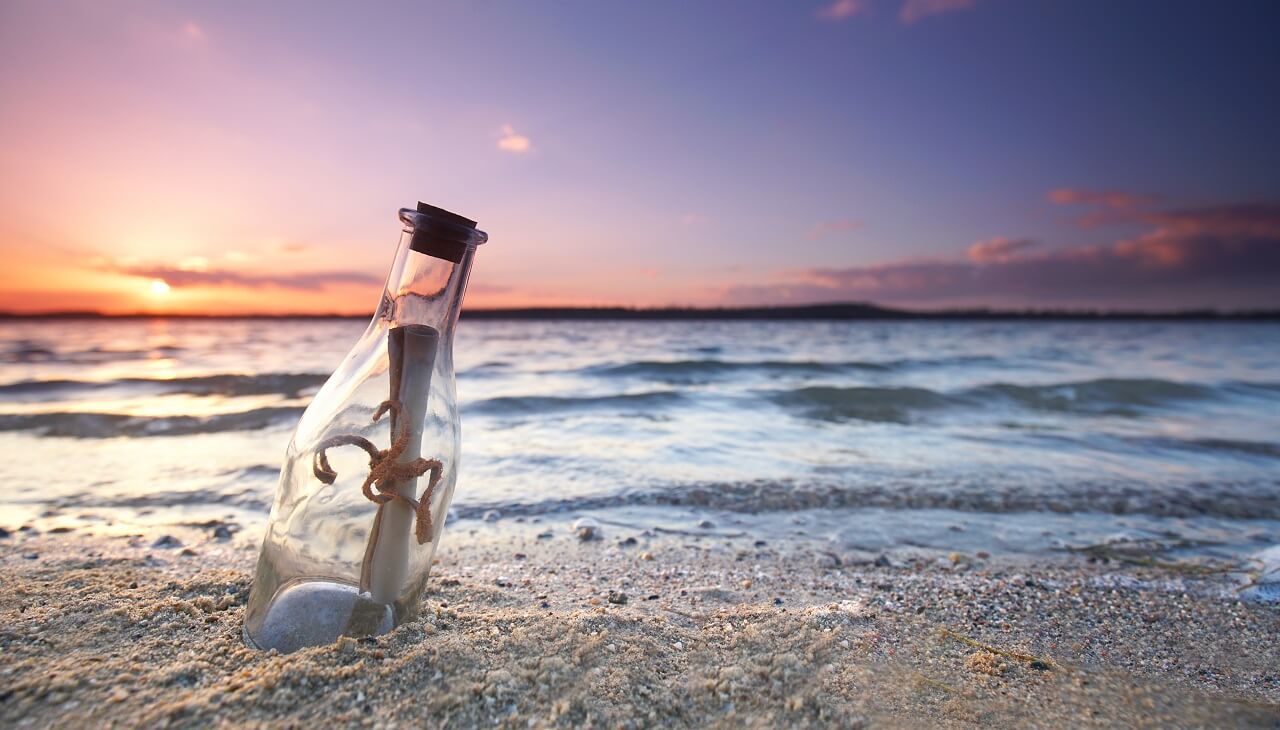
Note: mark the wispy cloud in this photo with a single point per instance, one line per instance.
(1105, 206)
(178, 276)
(998, 249)
(1226, 255)
(822, 230)
(510, 141)
(913, 11)
(841, 10)
(1113, 199)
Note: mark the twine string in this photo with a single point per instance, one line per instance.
(386, 470)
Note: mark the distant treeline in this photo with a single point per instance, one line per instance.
(828, 312)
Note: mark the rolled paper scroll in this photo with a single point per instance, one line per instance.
(412, 352)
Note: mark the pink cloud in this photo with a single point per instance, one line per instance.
(998, 249)
(1112, 199)
(178, 276)
(511, 141)
(1213, 256)
(842, 10)
(828, 228)
(916, 10)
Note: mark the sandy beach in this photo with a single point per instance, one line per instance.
(635, 629)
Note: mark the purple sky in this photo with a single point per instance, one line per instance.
(926, 153)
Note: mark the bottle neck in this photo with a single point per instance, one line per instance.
(425, 290)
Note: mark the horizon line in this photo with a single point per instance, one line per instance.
(834, 311)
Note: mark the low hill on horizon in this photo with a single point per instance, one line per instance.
(830, 312)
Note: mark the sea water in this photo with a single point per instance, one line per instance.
(1017, 437)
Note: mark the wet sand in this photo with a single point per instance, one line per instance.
(664, 630)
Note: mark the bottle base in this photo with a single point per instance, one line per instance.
(315, 613)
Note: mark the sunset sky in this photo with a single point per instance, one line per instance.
(229, 157)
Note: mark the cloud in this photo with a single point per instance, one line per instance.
(839, 10)
(192, 31)
(998, 249)
(821, 230)
(177, 276)
(1208, 256)
(1111, 199)
(914, 11)
(512, 142)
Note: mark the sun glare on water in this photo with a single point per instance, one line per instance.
(159, 287)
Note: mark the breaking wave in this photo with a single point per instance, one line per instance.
(107, 425)
(683, 371)
(288, 384)
(1106, 396)
(517, 405)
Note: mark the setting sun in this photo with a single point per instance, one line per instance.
(159, 287)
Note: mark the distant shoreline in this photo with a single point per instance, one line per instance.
(815, 312)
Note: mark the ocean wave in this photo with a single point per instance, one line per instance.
(1109, 395)
(1105, 396)
(1239, 447)
(1251, 500)
(107, 425)
(684, 371)
(864, 403)
(513, 405)
(31, 351)
(288, 384)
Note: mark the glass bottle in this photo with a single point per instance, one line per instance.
(370, 471)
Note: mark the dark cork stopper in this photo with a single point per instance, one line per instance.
(444, 235)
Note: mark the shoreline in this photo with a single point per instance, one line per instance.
(520, 631)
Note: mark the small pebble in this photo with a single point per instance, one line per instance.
(221, 532)
(492, 515)
(166, 542)
(587, 528)
(629, 542)
(617, 597)
(646, 555)
(4, 533)
(706, 524)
